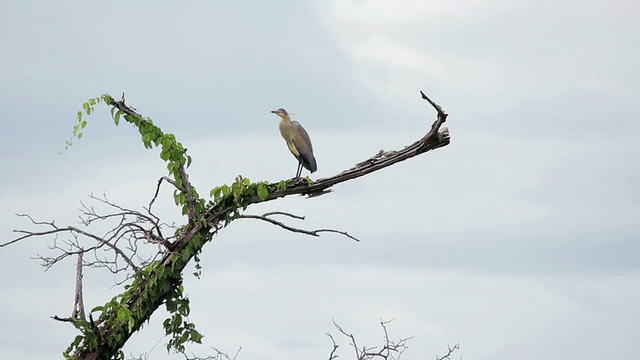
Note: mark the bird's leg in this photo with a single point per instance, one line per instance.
(299, 171)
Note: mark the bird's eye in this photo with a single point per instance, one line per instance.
(282, 110)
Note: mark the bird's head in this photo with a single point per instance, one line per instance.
(281, 112)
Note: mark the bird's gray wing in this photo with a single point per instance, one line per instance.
(301, 139)
(302, 143)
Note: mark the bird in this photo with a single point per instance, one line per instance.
(298, 141)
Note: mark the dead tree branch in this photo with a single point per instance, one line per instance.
(155, 196)
(78, 303)
(450, 351)
(332, 354)
(265, 217)
(130, 229)
(218, 355)
(390, 349)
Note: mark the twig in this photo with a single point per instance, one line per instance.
(351, 337)
(57, 318)
(390, 350)
(284, 214)
(450, 351)
(333, 355)
(165, 178)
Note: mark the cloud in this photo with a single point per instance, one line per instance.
(488, 56)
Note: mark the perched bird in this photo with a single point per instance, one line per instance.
(298, 142)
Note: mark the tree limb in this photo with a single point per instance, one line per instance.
(78, 303)
(265, 217)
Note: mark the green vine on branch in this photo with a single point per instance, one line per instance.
(158, 283)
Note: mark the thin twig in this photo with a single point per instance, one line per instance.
(284, 214)
(333, 355)
(165, 178)
(450, 351)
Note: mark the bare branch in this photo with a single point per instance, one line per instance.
(352, 339)
(284, 214)
(73, 229)
(390, 349)
(155, 196)
(26, 234)
(129, 227)
(265, 217)
(57, 318)
(450, 351)
(219, 355)
(333, 355)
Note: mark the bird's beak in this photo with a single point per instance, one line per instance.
(275, 112)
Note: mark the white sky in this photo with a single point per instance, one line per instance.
(518, 240)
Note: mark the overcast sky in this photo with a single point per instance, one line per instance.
(519, 240)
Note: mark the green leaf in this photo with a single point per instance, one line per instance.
(171, 306)
(83, 124)
(116, 119)
(123, 313)
(196, 240)
(146, 141)
(263, 192)
(132, 323)
(167, 142)
(183, 338)
(79, 136)
(196, 337)
(77, 340)
(97, 308)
